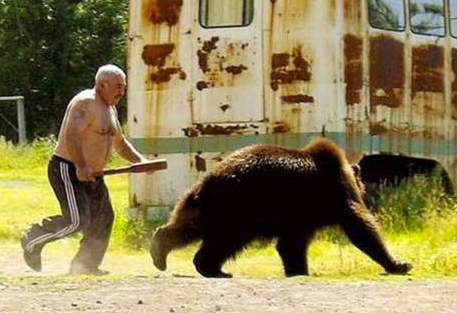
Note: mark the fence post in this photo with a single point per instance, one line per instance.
(20, 117)
(21, 120)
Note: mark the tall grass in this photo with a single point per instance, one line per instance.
(414, 204)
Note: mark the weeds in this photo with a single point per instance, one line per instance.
(413, 204)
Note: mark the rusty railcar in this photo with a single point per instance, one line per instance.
(209, 76)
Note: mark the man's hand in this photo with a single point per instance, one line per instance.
(84, 173)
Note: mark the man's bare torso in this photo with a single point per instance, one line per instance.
(95, 137)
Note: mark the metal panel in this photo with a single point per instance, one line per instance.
(227, 74)
(159, 90)
(301, 62)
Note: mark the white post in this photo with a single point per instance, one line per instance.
(20, 116)
(21, 120)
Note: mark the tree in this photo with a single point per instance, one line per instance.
(427, 19)
(382, 16)
(50, 49)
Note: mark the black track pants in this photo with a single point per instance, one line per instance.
(85, 206)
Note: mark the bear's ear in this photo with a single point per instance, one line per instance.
(358, 178)
(357, 170)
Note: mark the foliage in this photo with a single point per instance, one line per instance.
(50, 49)
(427, 19)
(408, 206)
(382, 16)
(31, 156)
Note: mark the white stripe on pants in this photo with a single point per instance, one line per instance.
(73, 208)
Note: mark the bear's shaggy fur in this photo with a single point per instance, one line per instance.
(262, 192)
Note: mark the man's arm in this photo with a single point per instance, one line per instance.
(125, 148)
(78, 121)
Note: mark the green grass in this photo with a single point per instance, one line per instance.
(418, 222)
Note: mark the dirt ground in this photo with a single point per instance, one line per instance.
(143, 290)
(180, 294)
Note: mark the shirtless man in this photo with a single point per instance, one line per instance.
(89, 129)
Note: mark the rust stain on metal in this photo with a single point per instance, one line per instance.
(164, 74)
(224, 107)
(427, 73)
(210, 45)
(220, 130)
(207, 47)
(235, 70)
(392, 99)
(155, 55)
(190, 132)
(386, 71)
(353, 76)
(203, 61)
(200, 163)
(279, 60)
(454, 69)
(378, 129)
(200, 129)
(299, 61)
(201, 85)
(163, 11)
(280, 127)
(219, 61)
(454, 83)
(283, 71)
(297, 98)
(352, 12)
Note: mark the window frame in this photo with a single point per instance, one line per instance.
(451, 29)
(425, 34)
(251, 16)
(389, 29)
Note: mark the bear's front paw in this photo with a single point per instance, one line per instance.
(158, 256)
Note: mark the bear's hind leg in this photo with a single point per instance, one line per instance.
(212, 255)
(292, 249)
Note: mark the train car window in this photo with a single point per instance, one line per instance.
(427, 17)
(226, 13)
(387, 14)
(453, 16)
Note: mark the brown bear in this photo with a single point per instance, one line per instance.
(266, 192)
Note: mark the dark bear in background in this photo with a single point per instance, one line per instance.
(264, 192)
(380, 170)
